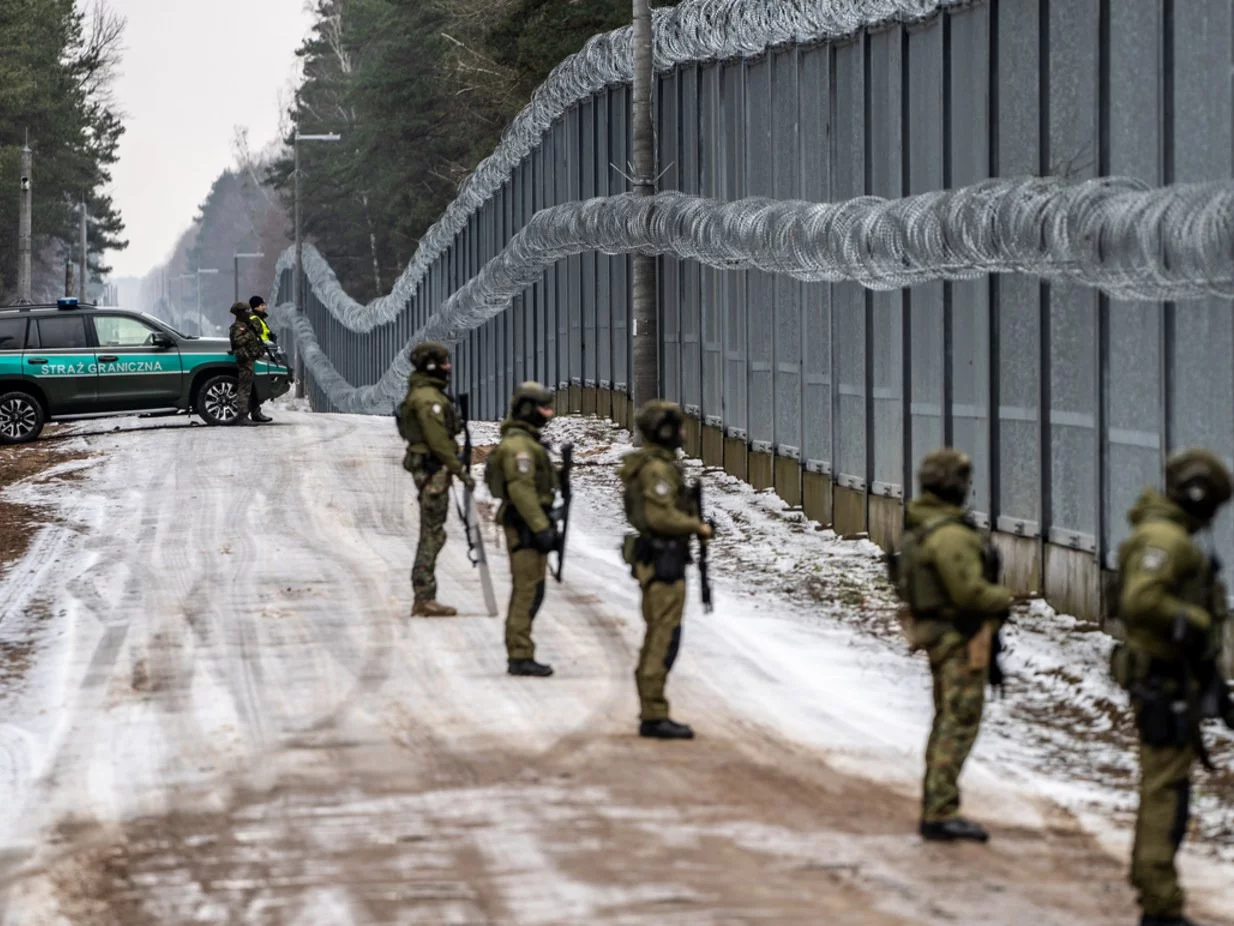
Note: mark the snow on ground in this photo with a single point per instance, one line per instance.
(1063, 727)
(228, 718)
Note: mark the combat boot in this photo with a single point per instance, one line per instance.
(430, 608)
(529, 667)
(1150, 919)
(261, 418)
(665, 730)
(244, 421)
(952, 830)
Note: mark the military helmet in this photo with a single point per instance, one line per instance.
(1197, 481)
(947, 473)
(429, 356)
(660, 422)
(528, 399)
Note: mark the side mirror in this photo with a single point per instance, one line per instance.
(162, 341)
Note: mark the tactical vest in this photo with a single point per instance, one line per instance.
(409, 424)
(632, 496)
(916, 582)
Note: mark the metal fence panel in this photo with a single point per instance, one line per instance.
(887, 308)
(562, 194)
(588, 297)
(732, 91)
(573, 266)
(1133, 360)
(1073, 153)
(712, 280)
(690, 271)
(924, 137)
(786, 145)
(619, 129)
(669, 157)
(849, 306)
(604, 285)
(1201, 391)
(969, 65)
(760, 287)
(815, 94)
(1019, 307)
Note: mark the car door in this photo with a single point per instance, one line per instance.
(12, 343)
(60, 358)
(135, 372)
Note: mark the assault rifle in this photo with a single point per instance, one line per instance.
(467, 512)
(560, 515)
(704, 579)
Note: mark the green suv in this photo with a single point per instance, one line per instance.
(79, 361)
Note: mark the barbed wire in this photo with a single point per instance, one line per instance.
(1115, 234)
(694, 31)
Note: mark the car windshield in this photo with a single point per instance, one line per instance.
(170, 328)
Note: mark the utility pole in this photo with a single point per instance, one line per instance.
(236, 260)
(83, 281)
(645, 366)
(297, 286)
(24, 226)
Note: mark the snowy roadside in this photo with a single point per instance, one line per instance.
(1062, 730)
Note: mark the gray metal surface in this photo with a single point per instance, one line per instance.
(809, 329)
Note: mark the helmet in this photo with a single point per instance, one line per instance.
(527, 401)
(660, 422)
(429, 356)
(1198, 482)
(948, 474)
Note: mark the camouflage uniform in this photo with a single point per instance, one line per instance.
(527, 485)
(429, 422)
(1174, 609)
(955, 611)
(247, 346)
(659, 507)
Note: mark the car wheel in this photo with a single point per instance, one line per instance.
(216, 401)
(21, 418)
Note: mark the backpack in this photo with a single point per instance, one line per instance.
(906, 573)
(495, 476)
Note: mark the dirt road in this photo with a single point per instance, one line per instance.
(228, 718)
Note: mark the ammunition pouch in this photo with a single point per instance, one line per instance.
(526, 538)
(423, 466)
(667, 556)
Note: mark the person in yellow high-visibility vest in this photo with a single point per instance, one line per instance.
(257, 321)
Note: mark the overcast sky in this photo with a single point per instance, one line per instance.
(193, 71)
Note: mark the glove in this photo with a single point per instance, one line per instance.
(544, 541)
(468, 480)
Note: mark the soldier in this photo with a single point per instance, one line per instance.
(945, 578)
(247, 346)
(659, 507)
(520, 473)
(428, 420)
(257, 320)
(1173, 606)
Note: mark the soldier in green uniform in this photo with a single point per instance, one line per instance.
(1173, 606)
(945, 575)
(247, 347)
(659, 507)
(428, 420)
(520, 473)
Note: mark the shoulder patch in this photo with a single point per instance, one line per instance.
(1153, 559)
(436, 408)
(663, 488)
(524, 462)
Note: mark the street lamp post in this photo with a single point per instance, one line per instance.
(201, 328)
(236, 260)
(297, 289)
(180, 297)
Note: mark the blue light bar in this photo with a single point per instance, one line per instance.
(66, 303)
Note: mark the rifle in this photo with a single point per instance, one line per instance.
(560, 515)
(467, 513)
(704, 579)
